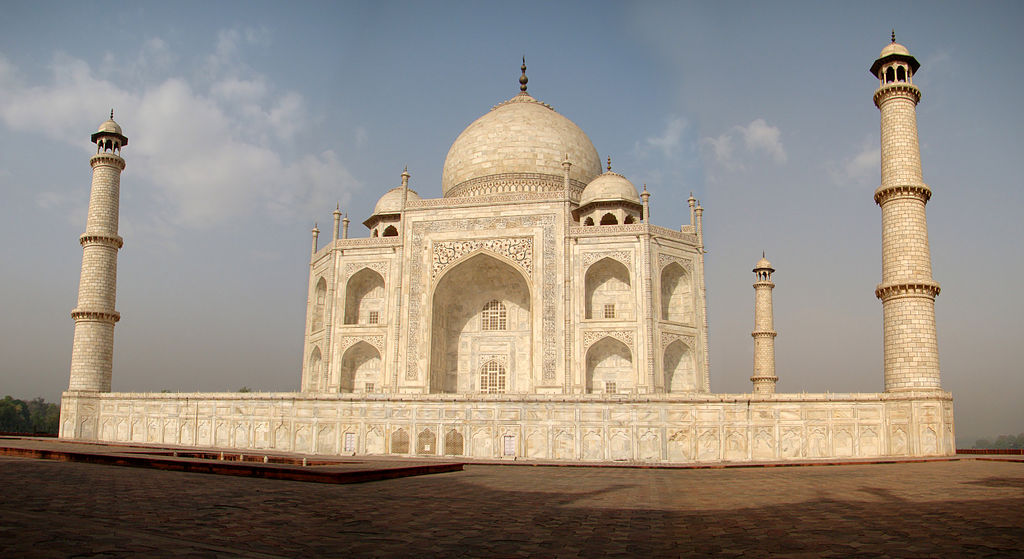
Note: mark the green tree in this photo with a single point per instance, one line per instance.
(34, 416)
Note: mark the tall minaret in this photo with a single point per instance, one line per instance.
(92, 354)
(764, 329)
(907, 290)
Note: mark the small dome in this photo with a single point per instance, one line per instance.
(763, 264)
(110, 127)
(894, 48)
(609, 187)
(391, 201)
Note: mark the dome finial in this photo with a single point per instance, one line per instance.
(609, 163)
(893, 36)
(111, 114)
(523, 79)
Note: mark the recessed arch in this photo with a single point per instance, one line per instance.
(360, 369)
(679, 367)
(609, 219)
(890, 75)
(676, 294)
(588, 221)
(364, 295)
(390, 231)
(609, 367)
(314, 365)
(465, 308)
(629, 219)
(607, 282)
(319, 304)
(901, 74)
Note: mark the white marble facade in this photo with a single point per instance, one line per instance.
(532, 311)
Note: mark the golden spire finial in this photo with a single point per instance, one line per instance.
(111, 114)
(893, 34)
(523, 79)
(609, 163)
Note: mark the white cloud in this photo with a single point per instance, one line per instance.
(758, 138)
(859, 168)
(210, 148)
(669, 143)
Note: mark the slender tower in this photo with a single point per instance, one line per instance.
(764, 329)
(907, 290)
(92, 354)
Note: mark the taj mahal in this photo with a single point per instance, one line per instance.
(534, 311)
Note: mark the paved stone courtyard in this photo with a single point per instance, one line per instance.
(930, 509)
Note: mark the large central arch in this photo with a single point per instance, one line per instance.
(481, 321)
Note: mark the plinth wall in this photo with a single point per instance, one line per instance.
(651, 429)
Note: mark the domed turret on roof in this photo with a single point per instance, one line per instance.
(609, 187)
(609, 199)
(391, 201)
(519, 146)
(387, 214)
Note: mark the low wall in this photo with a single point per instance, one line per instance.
(655, 428)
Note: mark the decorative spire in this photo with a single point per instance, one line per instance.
(523, 79)
(609, 163)
(893, 36)
(111, 114)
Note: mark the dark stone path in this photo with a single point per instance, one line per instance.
(931, 509)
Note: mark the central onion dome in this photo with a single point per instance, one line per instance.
(519, 146)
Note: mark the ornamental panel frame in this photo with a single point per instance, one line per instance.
(549, 291)
(624, 257)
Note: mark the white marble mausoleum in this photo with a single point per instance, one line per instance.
(533, 310)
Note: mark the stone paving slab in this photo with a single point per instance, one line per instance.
(234, 463)
(931, 509)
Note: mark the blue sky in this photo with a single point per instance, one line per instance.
(249, 121)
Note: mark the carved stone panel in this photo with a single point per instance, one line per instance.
(519, 250)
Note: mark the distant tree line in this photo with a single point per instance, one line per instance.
(1002, 441)
(35, 416)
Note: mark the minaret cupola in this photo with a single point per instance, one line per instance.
(895, 64)
(108, 138)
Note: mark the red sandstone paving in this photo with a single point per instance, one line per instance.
(933, 509)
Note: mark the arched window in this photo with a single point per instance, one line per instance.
(901, 74)
(588, 221)
(391, 231)
(607, 284)
(492, 378)
(364, 295)
(890, 75)
(494, 316)
(628, 220)
(676, 295)
(609, 219)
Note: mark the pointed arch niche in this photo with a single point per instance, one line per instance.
(676, 295)
(364, 296)
(609, 367)
(360, 369)
(466, 333)
(608, 292)
(319, 302)
(680, 369)
(316, 382)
